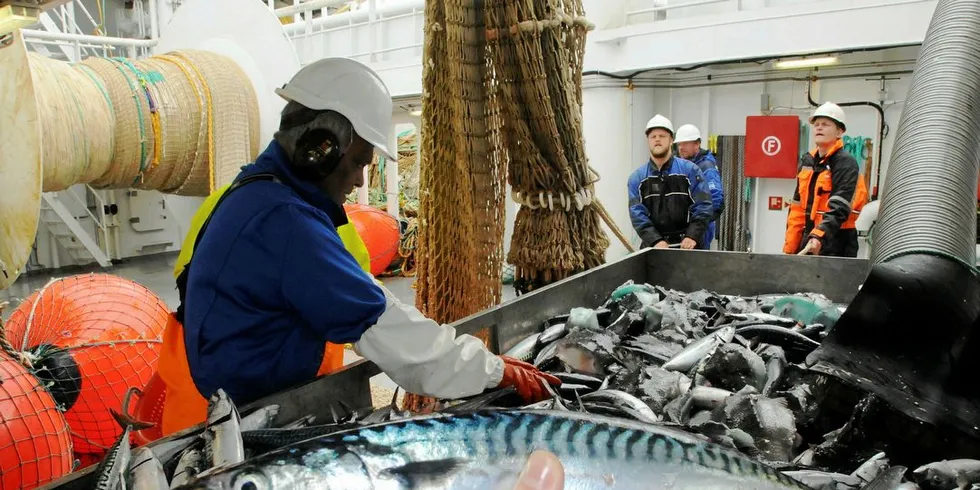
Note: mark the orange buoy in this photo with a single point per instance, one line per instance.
(93, 337)
(379, 231)
(35, 443)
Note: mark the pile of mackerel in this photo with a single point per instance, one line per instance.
(660, 389)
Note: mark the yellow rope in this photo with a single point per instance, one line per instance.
(210, 111)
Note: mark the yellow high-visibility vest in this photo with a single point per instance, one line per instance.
(348, 234)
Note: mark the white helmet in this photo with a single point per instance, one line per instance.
(687, 132)
(831, 111)
(351, 89)
(661, 122)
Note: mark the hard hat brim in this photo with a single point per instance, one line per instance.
(310, 101)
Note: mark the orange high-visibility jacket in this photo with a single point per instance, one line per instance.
(183, 405)
(830, 194)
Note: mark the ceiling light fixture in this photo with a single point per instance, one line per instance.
(805, 63)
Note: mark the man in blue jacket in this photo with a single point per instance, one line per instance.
(271, 282)
(689, 148)
(669, 201)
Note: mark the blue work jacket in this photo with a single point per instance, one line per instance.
(706, 161)
(670, 203)
(270, 283)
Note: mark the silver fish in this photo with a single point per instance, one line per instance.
(546, 355)
(775, 359)
(526, 349)
(223, 434)
(146, 471)
(627, 400)
(948, 474)
(692, 354)
(261, 418)
(888, 479)
(872, 467)
(821, 479)
(709, 397)
(552, 334)
(111, 471)
(486, 450)
(190, 464)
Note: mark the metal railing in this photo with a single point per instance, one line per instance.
(370, 15)
(374, 15)
(60, 27)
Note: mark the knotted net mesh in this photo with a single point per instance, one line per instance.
(501, 100)
(537, 48)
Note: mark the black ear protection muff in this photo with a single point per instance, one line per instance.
(317, 155)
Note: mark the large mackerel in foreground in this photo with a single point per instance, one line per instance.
(486, 450)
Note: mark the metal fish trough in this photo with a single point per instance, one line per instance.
(864, 423)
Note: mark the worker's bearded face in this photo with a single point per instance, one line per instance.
(659, 141)
(349, 173)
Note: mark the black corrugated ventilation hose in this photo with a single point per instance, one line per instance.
(910, 335)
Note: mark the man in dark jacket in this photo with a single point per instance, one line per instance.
(830, 192)
(271, 282)
(668, 197)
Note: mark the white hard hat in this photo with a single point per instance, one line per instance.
(831, 111)
(661, 122)
(687, 132)
(351, 89)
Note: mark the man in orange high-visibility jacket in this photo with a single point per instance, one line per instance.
(830, 193)
(184, 406)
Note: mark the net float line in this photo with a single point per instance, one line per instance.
(182, 123)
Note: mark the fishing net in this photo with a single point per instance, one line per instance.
(183, 122)
(77, 123)
(537, 48)
(501, 99)
(35, 444)
(733, 226)
(89, 338)
(461, 216)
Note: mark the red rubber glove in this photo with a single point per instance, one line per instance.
(527, 379)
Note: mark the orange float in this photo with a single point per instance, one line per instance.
(94, 336)
(379, 230)
(35, 443)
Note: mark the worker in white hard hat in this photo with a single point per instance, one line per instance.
(668, 197)
(830, 192)
(270, 281)
(689, 148)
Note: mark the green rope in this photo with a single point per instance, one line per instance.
(141, 77)
(139, 112)
(98, 83)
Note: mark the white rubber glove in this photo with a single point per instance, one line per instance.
(427, 358)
